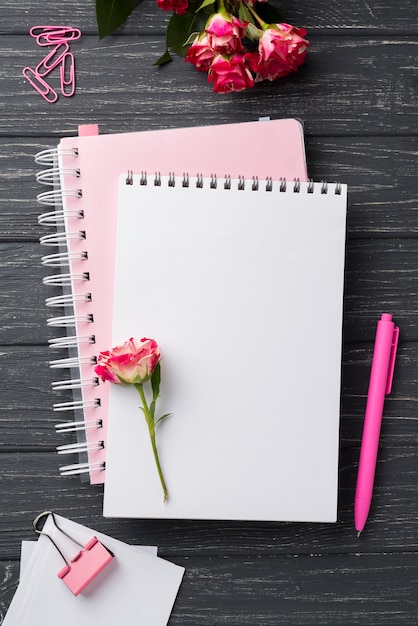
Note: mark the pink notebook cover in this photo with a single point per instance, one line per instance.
(263, 148)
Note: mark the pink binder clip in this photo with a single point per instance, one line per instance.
(40, 85)
(85, 565)
(67, 73)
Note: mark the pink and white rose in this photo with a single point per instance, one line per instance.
(225, 33)
(230, 73)
(132, 362)
(200, 53)
(281, 50)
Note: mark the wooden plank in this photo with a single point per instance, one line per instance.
(381, 275)
(373, 589)
(23, 308)
(27, 420)
(31, 484)
(272, 590)
(398, 427)
(18, 189)
(360, 86)
(379, 171)
(372, 15)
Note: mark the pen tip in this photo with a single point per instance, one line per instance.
(358, 533)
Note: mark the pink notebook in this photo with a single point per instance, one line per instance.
(85, 171)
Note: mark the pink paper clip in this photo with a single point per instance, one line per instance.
(35, 31)
(67, 73)
(87, 562)
(52, 59)
(58, 36)
(40, 85)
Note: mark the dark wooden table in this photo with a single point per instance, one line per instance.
(357, 94)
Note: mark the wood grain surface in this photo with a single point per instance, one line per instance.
(357, 95)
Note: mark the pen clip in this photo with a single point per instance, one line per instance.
(392, 359)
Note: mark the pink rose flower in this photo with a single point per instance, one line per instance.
(200, 54)
(230, 74)
(225, 33)
(177, 6)
(281, 50)
(132, 362)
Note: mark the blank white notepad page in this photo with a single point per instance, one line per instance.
(243, 291)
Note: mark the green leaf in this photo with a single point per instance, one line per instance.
(244, 14)
(180, 27)
(163, 417)
(253, 33)
(164, 58)
(207, 3)
(155, 382)
(111, 14)
(152, 409)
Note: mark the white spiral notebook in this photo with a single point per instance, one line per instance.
(85, 171)
(241, 284)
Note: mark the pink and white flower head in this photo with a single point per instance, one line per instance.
(132, 362)
(200, 53)
(230, 74)
(281, 50)
(225, 33)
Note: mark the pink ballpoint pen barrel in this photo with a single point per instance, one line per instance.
(380, 384)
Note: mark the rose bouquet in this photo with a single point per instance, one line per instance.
(236, 42)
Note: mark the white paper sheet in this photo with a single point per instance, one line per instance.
(243, 291)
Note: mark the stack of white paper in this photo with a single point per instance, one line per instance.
(135, 585)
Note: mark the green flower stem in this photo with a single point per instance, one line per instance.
(258, 19)
(149, 417)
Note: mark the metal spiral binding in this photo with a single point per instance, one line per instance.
(72, 427)
(72, 362)
(52, 175)
(68, 299)
(75, 448)
(65, 321)
(80, 468)
(78, 366)
(68, 342)
(50, 155)
(57, 218)
(62, 259)
(281, 184)
(55, 196)
(64, 279)
(75, 405)
(60, 239)
(75, 383)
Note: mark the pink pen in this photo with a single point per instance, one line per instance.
(381, 376)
